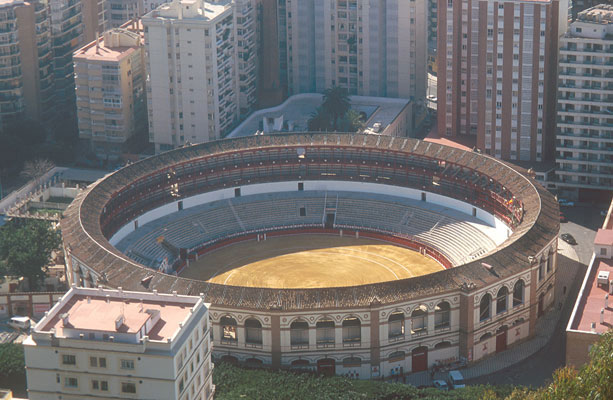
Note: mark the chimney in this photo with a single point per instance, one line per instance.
(606, 301)
(602, 315)
(89, 300)
(65, 319)
(108, 298)
(593, 327)
(97, 43)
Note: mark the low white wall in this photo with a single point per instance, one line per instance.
(337, 186)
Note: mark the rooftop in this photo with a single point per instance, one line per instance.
(296, 112)
(604, 237)
(602, 14)
(592, 300)
(114, 45)
(190, 10)
(118, 312)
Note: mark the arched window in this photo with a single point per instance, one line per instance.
(442, 345)
(299, 333)
(441, 315)
(352, 362)
(253, 331)
(352, 332)
(484, 307)
(325, 333)
(501, 300)
(518, 293)
(419, 320)
(396, 324)
(549, 263)
(485, 336)
(228, 330)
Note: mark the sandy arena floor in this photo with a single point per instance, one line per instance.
(309, 261)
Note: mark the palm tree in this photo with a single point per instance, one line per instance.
(319, 121)
(336, 103)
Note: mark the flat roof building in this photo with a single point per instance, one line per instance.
(110, 84)
(584, 148)
(385, 116)
(116, 344)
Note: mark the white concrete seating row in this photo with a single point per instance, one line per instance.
(457, 239)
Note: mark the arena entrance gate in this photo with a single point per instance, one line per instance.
(326, 367)
(419, 360)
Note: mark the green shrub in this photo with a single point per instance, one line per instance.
(11, 359)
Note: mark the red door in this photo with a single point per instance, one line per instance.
(326, 366)
(540, 307)
(420, 359)
(501, 340)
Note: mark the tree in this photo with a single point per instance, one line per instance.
(36, 168)
(25, 249)
(319, 121)
(12, 360)
(351, 122)
(336, 103)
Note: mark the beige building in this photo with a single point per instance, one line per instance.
(497, 74)
(97, 343)
(192, 87)
(372, 48)
(110, 84)
(585, 106)
(94, 19)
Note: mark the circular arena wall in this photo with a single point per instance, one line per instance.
(462, 313)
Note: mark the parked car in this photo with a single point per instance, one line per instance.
(23, 323)
(441, 385)
(568, 238)
(562, 217)
(566, 203)
(455, 380)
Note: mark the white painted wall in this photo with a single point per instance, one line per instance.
(279, 187)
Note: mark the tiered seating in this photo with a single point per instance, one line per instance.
(457, 239)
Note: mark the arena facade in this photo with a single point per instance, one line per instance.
(487, 297)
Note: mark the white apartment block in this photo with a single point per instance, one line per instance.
(497, 68)
(97, 343)
(369, 47)
(585, 105)
(192, 88)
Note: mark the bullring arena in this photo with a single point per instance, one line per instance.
(360, 255)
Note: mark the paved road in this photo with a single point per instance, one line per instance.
(538, 369)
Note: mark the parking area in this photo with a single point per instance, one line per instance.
(583, 220)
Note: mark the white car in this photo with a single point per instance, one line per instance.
(22, 323)
(566, 203)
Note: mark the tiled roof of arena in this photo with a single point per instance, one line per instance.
(83, 237)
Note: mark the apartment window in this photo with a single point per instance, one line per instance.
(68, 359)
(128, 387)
(102, 362)
(93, 362)
(95, 385)
(127, 364)
(104, 385)
(71, 382)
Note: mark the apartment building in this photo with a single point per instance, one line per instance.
(94, 19)
(26, 83)
(248, 49)
(67, 35)
(497, 74)
(110, 85)
(192, 87)
(585, 106)
(97, 343)
(369, 47)
(120, 11)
